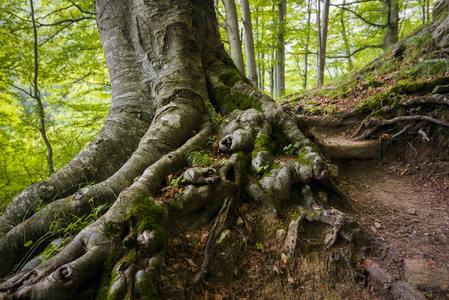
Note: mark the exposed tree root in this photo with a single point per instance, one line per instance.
(392, 289)
(373, 124)
(356, 276)
(56, 275)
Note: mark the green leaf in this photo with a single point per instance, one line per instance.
(27, 244)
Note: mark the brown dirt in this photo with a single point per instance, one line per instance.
(410, 206)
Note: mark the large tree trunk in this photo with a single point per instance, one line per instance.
(169, 72)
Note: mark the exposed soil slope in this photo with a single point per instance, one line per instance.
(407, 208)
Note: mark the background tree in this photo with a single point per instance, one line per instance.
(323, 23)
(233, 34)
(72, 85)
(249, 42)
(280, 78)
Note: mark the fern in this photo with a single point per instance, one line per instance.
(199, 157)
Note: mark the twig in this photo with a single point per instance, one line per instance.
(405, 129)
(216, 230)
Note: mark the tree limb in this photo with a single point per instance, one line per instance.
(356, 51)
(65, 21)
(81, 10)
(359, 16)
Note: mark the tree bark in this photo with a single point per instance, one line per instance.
(391, 35)
(232, 29)
(323, 23)
(280, 81)
(249, 42)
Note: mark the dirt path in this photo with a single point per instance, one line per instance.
(408, 209)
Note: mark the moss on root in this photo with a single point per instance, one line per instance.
(147, 215)
(419, 87)
(106, 275)
(245, 165)
(231, 102)
(146, 290)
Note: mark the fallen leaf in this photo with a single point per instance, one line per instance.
(368, 263)
(244, 207)
(290, 278)
(190, 261)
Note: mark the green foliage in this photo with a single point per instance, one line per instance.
(215, 117)
(61, 229)
(72, 82)
(199, 157)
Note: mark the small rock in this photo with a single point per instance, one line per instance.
(284, 258)
(377, 225)
(374, 229)
(398, 50)
(328, 238)
(411, 211)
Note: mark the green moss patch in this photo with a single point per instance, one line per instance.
(419, 88)
(147, 215)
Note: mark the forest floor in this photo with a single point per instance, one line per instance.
(407, 207)
(402, 201)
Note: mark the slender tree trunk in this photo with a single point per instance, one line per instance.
(391, 35)
(232, 30)
(280, 78)
(423, 7)
(345, 38)
(37, 97)
(261, 70)
(324, 22)
(306, 49)
(249, 42)
(318, 61)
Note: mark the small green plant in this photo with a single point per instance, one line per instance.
(263, 168)
(372, 81)
(215, 117)
(60, 229)
(199, 157)
(176, 181)
(287, 148)
(259, 246)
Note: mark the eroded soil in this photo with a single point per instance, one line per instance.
(407, 207)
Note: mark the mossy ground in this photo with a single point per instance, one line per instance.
(384, 81)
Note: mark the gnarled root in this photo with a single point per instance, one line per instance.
(371, 125)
